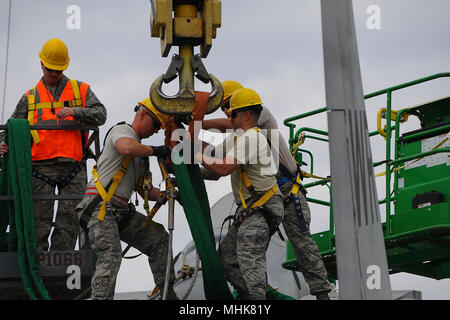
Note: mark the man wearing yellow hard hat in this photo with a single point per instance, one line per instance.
(106, 211)
(58, 156)
(296, 219)
(246, 157)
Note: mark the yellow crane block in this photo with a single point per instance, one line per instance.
(178, 22)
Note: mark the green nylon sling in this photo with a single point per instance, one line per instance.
(16, 175)
(196, 207)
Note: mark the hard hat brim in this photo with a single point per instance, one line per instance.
(53, 66)
(244, 106)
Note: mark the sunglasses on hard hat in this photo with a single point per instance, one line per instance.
(225, 106)
(156, 123)
(51, 70)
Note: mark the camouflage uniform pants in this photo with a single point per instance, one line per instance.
(243, 252)
(305, 248)
(105, 241)
(66, 225)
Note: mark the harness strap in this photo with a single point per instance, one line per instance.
(44, 178)
(299, 211)
(296, 184)
(309, 175)
(116, 179)
(296, 187)
(146, 186)
(61, 184)
(261, 201)
(248, 184)
(118, 200)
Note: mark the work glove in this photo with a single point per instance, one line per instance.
(183, 119)
(161, 151)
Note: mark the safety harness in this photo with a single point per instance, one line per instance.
(32, 107)
(248, 208)
(297, 186)
(243, 177)
(60, 183)
(248, 184)
(107, 195)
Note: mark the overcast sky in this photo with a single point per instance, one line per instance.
(274, 47)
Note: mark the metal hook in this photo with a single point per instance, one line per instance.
(183, 102)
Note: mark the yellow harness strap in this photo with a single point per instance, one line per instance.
(33, 106)
(296, 185)
(146, 186)
(248, 184)
(117, 178)
(244, 177)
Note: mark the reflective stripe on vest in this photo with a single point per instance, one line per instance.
(48, 144)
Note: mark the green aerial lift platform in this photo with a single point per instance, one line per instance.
(417, 178)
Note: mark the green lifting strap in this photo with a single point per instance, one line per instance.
(16, 171)
(196, 207)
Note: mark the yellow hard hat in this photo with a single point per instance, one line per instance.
(162, 117)
(244, 97)
(230, 86)
(55, 55)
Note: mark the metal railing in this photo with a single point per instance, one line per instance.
(390, 165)
(93, 139)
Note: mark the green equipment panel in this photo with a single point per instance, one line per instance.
(417, 235)
(423, 185)
(420, 226)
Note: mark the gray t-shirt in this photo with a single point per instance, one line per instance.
(281, 151)
(111, 160)
(252, 151)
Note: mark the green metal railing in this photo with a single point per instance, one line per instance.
(390, 165)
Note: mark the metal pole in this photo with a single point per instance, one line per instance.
(6, 61)
(360, 251)
(170, 227)
(171, 195)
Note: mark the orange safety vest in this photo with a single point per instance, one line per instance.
(48, 144)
